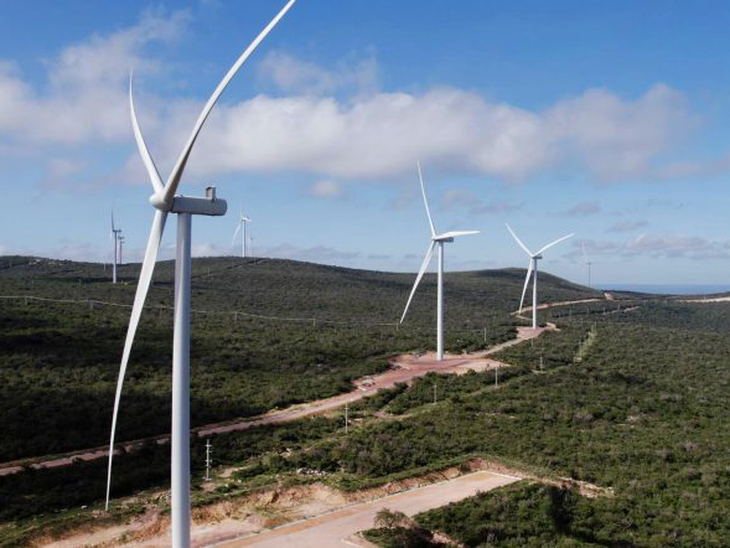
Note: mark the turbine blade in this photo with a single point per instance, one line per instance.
(424, 266)
(523, 246)
(145, 277)
(583, 248)
(142, 145)
(527, 281)
(235, 233)
(174, 180)
(425, 201)
(456, 233)
(551, 244)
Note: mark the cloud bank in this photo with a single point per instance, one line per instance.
(330, 122)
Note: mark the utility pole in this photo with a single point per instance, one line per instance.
(434, 393)
(207, 460)
(347, 418)
(496, 377)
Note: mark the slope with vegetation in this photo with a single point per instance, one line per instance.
(59, 360)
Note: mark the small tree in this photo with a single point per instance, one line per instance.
(389, 519)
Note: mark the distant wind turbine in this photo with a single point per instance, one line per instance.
(165, 201)
(440, 240)
(586, 261)
(532, 270)
(242, 222)
(121, 249)
(115, 235)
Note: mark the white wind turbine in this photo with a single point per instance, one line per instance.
(165, 201)
(532, 270)
(440, 240)
(586, 261)
(242, 222)
(115, 235)
(121, 249)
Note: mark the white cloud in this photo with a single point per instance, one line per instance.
(457, 198)
(673, 246)
(382, 135)
(291, 74)
(335, 125)
(85, 99)
(615, 138)
(326, 188)
(583, 209)
(627, 226)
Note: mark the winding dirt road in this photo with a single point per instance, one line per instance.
(406, 368)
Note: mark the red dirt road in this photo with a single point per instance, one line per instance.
(406, 368)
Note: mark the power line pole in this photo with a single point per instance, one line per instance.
(207, 460)
(347, 418)
(434, 393)
(496, 377)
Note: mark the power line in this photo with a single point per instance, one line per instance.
(91, 303)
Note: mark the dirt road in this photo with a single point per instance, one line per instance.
(334, 530)
(406, 368)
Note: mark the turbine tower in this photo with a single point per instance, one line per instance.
(242, 222)
(586, 261)
(115, 235)
(532, 270)
(121, 248)
(436, 240)
(165, 202)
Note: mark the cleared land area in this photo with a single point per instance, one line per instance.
(334, 530)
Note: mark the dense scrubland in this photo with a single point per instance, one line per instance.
(59, 361)
(629, 395)
(644, 414)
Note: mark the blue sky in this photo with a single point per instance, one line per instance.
(609, 120)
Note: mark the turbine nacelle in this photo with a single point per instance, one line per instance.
(449, 236)
(210, 205)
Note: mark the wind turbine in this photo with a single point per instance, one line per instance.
(165, 202)
(436, 240)
(586, 261)
(242, 222)
(114, 234)
(121, 248)
(532, 268)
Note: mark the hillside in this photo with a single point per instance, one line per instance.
(59, 360)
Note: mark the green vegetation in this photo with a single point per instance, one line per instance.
(645, 414)
(59, 361)
(628, 395)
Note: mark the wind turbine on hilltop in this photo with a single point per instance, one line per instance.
(586, 261)
(165, 202)
(532, 270)
(436, 240)
(242, 222)
(115, 234)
